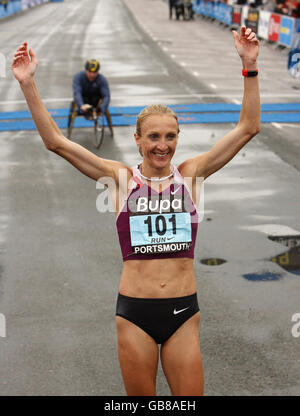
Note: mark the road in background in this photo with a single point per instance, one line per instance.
(60, 262)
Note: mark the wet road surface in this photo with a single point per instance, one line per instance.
(60, 262)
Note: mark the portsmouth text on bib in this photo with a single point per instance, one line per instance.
(159, 225)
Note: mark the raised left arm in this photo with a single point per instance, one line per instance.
(248, 126)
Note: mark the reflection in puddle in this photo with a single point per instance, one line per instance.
(288, 241)
(212, 262)
(266, 276)
(289, 261)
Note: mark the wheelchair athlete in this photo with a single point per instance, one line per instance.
(91, 90)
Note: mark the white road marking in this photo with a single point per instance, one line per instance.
(290, 125)
(272, 229)
(277, 125)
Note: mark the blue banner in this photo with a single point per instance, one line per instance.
(10, 8)
(294, 55)
(286, 30)
(225, 14)
(32, 3)
(215, 10)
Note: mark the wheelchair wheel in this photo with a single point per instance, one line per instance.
(71, 118)
(98, 131)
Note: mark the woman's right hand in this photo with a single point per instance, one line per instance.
(24, 65)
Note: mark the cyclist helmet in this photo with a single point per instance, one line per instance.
(92, 65)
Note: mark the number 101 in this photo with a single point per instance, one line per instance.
(160, 224)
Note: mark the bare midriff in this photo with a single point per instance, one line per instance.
(158, 278)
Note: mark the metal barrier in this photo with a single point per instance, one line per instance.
(270, 26)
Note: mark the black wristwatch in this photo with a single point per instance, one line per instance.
(246, 73)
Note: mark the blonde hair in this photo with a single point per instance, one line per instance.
(153, 109)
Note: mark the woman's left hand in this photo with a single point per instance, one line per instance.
(247, 45)
(24, 65)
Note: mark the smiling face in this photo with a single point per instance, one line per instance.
(157, 142)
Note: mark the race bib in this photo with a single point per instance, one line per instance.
(159, 233)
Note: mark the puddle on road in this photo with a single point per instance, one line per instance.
(286, 240)
(289, 260)
(265, 276)
(212, 261)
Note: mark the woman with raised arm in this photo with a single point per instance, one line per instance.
(157, 225)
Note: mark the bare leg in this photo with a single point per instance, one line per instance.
(181, 360)
(138, 356)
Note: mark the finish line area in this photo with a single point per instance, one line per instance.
(187, 114)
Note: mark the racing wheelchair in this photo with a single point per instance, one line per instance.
(92, 115)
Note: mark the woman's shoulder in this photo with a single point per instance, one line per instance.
(188, 168)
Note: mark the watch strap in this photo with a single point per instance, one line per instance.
(247, 73)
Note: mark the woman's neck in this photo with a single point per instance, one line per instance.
(151, 173)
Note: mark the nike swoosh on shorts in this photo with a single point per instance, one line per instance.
(180, 310)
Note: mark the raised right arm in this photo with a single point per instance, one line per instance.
(24, 67)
